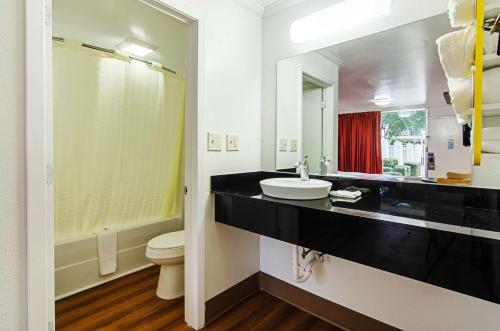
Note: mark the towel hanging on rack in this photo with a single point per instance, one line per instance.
(456, 52)
(461, 13)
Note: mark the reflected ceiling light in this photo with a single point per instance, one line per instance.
(136, 47)
(404, 114)
(383, 101)
(342, 16)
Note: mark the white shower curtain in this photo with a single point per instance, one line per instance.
(118, 135)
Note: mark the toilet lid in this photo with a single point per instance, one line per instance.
(172, 240)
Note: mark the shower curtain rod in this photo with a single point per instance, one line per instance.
(111, 51)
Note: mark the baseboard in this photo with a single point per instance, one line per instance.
(331, 312)
(328, 311)
(226, 300)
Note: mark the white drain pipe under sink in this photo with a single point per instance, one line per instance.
(299, 277)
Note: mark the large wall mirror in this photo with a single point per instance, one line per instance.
(377, 107)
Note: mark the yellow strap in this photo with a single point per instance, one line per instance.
(478, 84)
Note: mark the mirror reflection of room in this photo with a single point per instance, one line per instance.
(397, 111)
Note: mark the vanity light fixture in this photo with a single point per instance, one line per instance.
(135, 47)
(342, 16)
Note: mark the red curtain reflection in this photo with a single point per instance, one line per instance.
(360, 146)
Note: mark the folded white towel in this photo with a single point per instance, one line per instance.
(490, 43)
(346, 200)
(461, 13)
(491, 146)
(491, 140)
(491, 84)
(461, 94)
(107, 251)
(456, 52)
(492, 133)
(346, 194)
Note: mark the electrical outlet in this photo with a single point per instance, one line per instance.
(293, 145)
(232, 143)
(214, 142)
(283, 145)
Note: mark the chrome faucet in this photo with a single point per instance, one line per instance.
(303, 168)
(323, 166)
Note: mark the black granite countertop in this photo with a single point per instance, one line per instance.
(464, 207)
(441, 235)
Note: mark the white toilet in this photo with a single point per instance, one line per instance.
(167, 251)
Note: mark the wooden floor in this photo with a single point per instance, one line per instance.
(130, 303)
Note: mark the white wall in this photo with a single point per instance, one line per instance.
(12, 168)
(289, 94)
(289, 105)
(233, 53)
(442, 126)
(402, 302)
(311, 126)
(399, 301)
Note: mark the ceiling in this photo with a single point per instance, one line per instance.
(265, 3)
(107, 23)
(401, 63)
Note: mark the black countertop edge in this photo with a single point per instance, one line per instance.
(464, 210)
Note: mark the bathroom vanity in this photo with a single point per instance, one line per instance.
(447, 236)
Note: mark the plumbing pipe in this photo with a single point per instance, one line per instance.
(297, 276)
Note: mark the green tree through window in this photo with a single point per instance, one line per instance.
(393, 124)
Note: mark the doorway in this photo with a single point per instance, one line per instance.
(318, 121)
(40, 210)
(313, 121)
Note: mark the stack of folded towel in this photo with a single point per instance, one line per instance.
(346, 196)
(456, 52)
(491, 140)
(461, 13)
(491, 86)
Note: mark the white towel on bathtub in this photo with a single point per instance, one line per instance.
(107, 251)
(456, 52)
(461, 13)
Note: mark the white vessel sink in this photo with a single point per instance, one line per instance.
(296, 189)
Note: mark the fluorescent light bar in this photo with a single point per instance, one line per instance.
(345, 15)
(385, 101)
(136, 47)
(136, 50)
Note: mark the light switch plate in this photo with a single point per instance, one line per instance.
(232, 142)
(214, 142)
(293, 145)
(283, 145)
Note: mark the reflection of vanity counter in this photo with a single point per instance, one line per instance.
(441, 235)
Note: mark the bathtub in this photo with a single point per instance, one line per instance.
(76, 263)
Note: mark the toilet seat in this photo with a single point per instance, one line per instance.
(167, 246)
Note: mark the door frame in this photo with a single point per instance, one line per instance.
(39, 162)
(330, 114)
